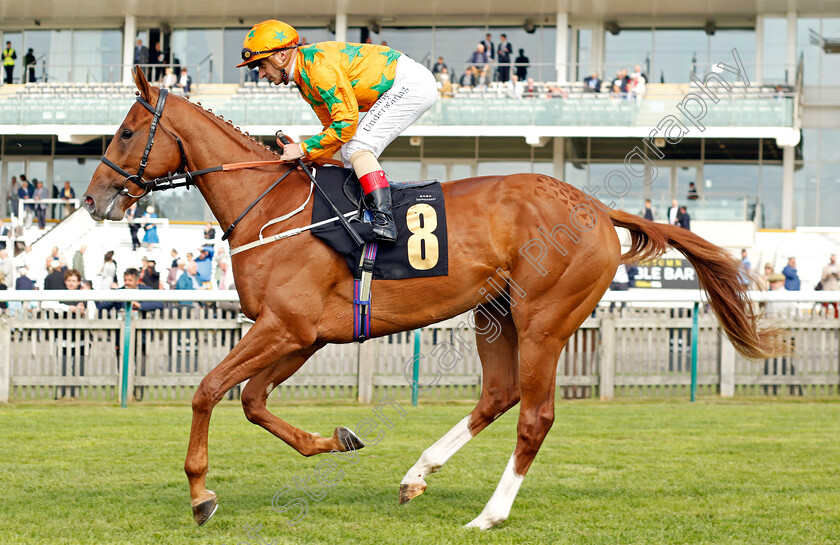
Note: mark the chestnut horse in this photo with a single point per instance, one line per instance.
(554, 248)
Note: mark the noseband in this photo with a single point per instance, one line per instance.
(154, 185)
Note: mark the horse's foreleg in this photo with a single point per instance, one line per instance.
(262, 346)
(499, 392)
(253, 402)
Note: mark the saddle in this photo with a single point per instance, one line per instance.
(421, 249)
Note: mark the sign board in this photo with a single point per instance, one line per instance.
(666, 274)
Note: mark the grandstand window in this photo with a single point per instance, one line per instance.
(806, 183)
(675, 52)
(53, 53)
(77, 171)
(770, 196)
(774, 38)
(627, 49)
(192, 46)
(583, 55)
(502, 168)
(233, 45)
(730, 191)
(402, 171)
(576, 173)
(830, 145)
(97, 56)
(821, 68)
(17, 44)
(25, 144)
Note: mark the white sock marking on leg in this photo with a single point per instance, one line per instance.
(500, 504)
(437, 454)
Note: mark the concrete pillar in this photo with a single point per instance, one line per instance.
(790, 52)
(129, 35)
(788, 202)
(561, 58)
(597, 52)
(759, 49)
(559, 157)
(340, 25)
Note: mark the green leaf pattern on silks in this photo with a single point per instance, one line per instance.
(328, 95)
(314, 142)
(309, 53)
(338, 126)
(352, 51)
(383, 85)
(391, 55)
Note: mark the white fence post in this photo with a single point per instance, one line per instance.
(366, 354)
(5, 357)
(727, 367)
(607, 359)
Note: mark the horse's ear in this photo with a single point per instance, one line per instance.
(142, 83)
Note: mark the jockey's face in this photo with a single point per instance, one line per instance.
(271, 70)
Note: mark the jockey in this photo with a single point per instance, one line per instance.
(339, 80)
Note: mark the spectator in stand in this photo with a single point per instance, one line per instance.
(131, 281)
(67, 193)
(503, 55)
(830, 280)
(12, 197)
(445, 83)
(555, 91)
(29, 62)
(487, 42)
(792, 282)
(55, 278)
(150, 238)
(204, 264)
(470, 77)
(6, 264)
(209, 232)
(438, 68)
(141, 53)
(189, 281)
(522, 64)
(150, 277)
(674, 213)
(592, 83)
(648, 212)
(226, 282)
(3, 305)
(40, 194)
(172, 275)
(479, 57)
(157, 57)
(9, 56)
(169, 78)
(133, 227)
(483, 79)
(780, 310)
(25, 192)
(4, 232)
(184, 82)
(637, 86)
(530, 90)
(746, 268)
(79, 260)
(71, 280)
(692, 192)
(108, 272)
(619, 84)
(685, 218)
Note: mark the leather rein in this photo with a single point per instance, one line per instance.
(182, 177)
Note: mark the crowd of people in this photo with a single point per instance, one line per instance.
(22, 188)
(490, 62)
(162, 67)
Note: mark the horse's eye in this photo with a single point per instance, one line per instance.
(126, 134)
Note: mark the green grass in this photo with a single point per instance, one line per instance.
(744, 471)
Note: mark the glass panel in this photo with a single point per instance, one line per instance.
(77, 171)
(502, 168)
(829, 199)
(414, 42)
(633, 196)
(52, 53)
(459, 171)
(830, 69)
(805, 187)
(729, 191)
(310, 35)
(584, 51)
(436, 171)
(543, 167)
(830, 145)
(232, 47)
(627, 49)
(576, 173)
(809, 144)
(811, 51)
(771, 196)
(674, 53)
(192, 46)
(547, 53)
(16, 38)
(775, 49)
(401, 171)
(37, 170)
(97, 55)
(724, 40)
(685, 176)
(179, 205)
(455, 46)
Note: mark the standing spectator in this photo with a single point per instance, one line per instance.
(637, 85)
(637, 72)
(438, 68)
(791, 275)
(40, 194)
(29, 62)
(150, 238)
(487, 42)
(209, 232)
(768, 270)
(746, 268)
(685, 218)
(445, 83)
(24, 192)
(479, 58)
(674, 213)
(71, 279)
(3, 287)
(692, 192)
(6, 265)
(133, 225)
(67, 193)
(150, 277)
(157, 58)
(782, 310)
(592, 83)
(503, 54)
(141, 53)
(9, 56)
(619, 85)
(4, 232)
(12, 197)
(189, 281)
(226, 282)
(831, 280)
(55, 279)
(648, 212)
(522, 63)
(172, 275)
(108, 272)
(184, 82)
(204, 264)
(79, 260)
(131, 281)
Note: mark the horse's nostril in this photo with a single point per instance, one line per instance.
(88, 202)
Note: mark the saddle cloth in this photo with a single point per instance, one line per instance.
(421, 249)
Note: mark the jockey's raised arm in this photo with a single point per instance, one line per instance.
(339, 80)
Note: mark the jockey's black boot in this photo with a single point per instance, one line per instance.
(378, 202)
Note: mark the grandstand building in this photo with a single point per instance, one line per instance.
(745, 95)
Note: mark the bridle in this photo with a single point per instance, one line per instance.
(170, 181)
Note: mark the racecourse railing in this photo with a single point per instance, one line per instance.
(636, 344)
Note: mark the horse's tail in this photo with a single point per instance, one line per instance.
(720, 276)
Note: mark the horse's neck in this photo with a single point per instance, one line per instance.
(228, 194)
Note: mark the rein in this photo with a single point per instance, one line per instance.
(170, 181)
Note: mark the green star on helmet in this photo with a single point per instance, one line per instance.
(251, 34)
(338, 125)
(391, 55)
(314, 142)
(281, 36)
(352, 51)
(383, 85)
(329, 96)
(309, 53)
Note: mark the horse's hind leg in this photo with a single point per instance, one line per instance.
(266, 343)
(499, 392)
(256, 393)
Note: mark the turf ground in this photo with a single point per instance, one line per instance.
(743, 471)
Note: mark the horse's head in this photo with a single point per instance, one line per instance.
(114, 187)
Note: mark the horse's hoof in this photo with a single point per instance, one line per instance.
(204, 510)
(348, 439)
(410, 491)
